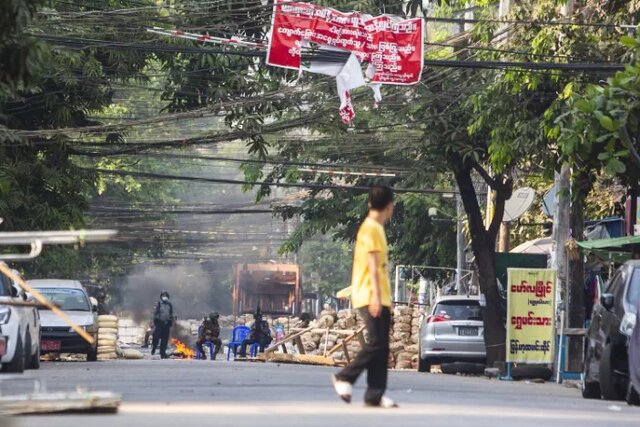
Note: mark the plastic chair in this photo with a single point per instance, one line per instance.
(239, 334)
(212, 349)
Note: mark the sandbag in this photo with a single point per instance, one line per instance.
(108, 356)
(107, 331)
(107, 318)
(132, 354)
(110, 325)
(106, 349)
(106, 343)
(107, 336)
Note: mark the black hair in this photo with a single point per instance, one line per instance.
(163, 293)
(380, 196)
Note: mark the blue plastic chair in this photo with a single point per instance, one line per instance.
(239, 334)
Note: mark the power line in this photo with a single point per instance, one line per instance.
(312, 186)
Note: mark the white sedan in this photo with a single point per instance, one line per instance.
(20, 328)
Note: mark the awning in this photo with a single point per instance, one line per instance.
(619, 244)
(618, 250)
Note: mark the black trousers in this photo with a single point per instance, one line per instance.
(373, 357)
(262, 342)
(161, 335)
(217, 342)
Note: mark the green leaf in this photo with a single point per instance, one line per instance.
(585, 106)
(604, 156)
(629, 41)
(615, 167)
(606, 122)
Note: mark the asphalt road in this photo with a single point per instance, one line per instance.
(182, 393)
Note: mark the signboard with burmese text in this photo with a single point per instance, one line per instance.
(531, 315)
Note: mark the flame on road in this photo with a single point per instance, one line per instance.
(183, 349)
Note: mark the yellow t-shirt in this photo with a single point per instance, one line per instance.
(370, 238)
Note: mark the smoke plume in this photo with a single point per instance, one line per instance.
(190, 288)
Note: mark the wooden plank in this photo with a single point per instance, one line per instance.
(302, 359)
(300, 345)
(352, 335)
(48, 403)
(288, 338)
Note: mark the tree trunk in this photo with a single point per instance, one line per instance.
(483, 244)
(576, 314)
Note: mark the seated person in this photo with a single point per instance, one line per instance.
(260, 334)
(305, 319)
(210, 331)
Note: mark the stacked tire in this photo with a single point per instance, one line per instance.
(107, 337)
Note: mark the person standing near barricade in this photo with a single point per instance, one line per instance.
(371, 296)
(162, 319)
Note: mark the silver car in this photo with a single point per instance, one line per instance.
(453, 331)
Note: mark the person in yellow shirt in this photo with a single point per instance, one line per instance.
(371, 296)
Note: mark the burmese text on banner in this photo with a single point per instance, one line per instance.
(392, 46)
(531, 315)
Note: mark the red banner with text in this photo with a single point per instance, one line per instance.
(391, 45)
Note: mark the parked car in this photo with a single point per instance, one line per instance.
(73, 299)
(606, 365)
(21, 329)
(452, 332)
(3, 344)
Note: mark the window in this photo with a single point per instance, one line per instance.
(5, 286)
(459, 310)
(633, 293)
(67, 299)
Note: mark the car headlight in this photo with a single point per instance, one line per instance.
(628, 324)
(5, 315)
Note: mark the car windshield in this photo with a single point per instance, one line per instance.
(633, 293)
(459, 310)
(66, 298)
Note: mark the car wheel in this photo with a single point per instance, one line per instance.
(27, 350)
(633, 398)
(424, 365)
(92, 355)
(590, 389)
(17, 364)
(34, 361)
(609, 386)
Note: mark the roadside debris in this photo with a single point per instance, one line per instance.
(80, 401)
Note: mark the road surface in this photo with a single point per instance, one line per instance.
(183, 393)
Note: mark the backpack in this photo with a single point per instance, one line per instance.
(163, 313)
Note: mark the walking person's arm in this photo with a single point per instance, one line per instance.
(375, 306)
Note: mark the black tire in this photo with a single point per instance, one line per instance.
(609, 385)
(424, 365)
(467, 368)
(92, 355)
(27, 350)
(590, 389)
(633, 398)
(34, 361)
(16, 366)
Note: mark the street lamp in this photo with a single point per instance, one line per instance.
(433, 213)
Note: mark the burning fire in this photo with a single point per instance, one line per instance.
(183, 349)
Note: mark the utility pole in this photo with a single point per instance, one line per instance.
(460, 244)
(561, 231)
